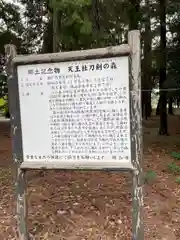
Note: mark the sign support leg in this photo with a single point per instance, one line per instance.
(20, 184)
(136, 134)
(137, 213)
(21, 204)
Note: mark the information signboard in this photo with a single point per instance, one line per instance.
(76, 111)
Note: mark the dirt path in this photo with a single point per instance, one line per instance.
(94, 205)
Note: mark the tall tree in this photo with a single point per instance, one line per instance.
(173, 51)
(134, 14)
(11, 32)
(147, 63)
(36, 21)
(163, 128)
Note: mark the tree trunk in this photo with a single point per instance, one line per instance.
(142, 104)
(163, 128)
(146, 104)
(158, 107)
(134, 15)
(178, 102)
(47, 46)
(170, 104)
(147, 63)
(149, 107)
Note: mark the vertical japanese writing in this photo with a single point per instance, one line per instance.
(88, 113)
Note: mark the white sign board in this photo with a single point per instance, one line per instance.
(75, 111)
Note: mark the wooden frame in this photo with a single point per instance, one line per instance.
(132, 49)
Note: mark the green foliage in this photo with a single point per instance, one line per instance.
(2, 102)
(69, 4)
(3, 85)
(10, 16)
(178, 180)
(4, 107)
(174, 168)
(74, 21)
(11, 31)
(11, 28)
(175, 155)
(86, 24)
(36, 13)
(150, 176)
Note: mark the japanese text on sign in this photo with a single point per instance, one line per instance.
(75, 110)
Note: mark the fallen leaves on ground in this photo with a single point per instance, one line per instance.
(77, 205)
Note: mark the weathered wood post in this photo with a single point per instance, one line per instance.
(20, 184)
(136, 133)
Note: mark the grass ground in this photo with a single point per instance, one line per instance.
(95, 205)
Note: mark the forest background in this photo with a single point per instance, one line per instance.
(42, 26)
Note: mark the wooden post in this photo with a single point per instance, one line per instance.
(136, 134)
(20, 182)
